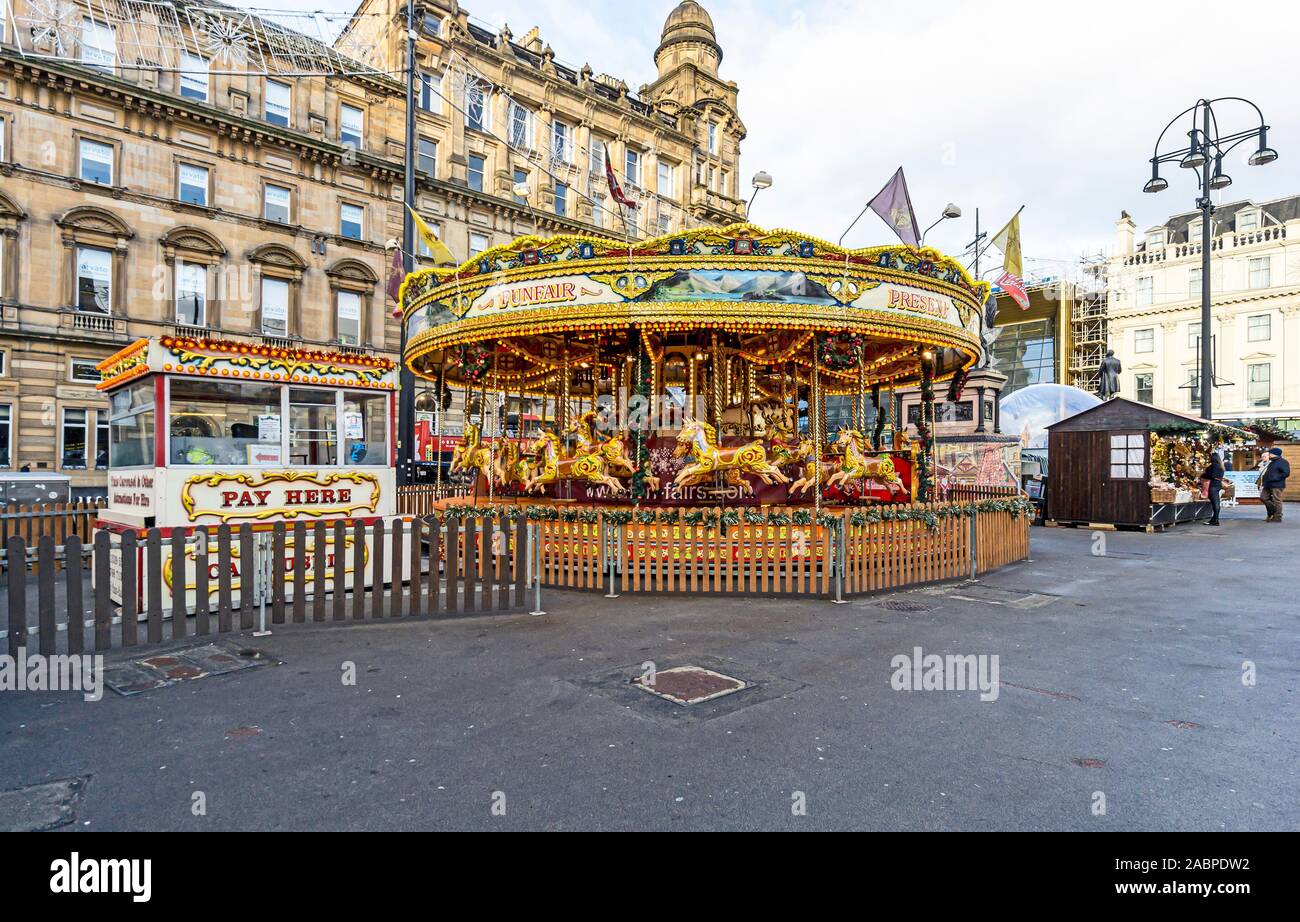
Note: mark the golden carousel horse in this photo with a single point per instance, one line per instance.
(858, 465)
(510, 464)
(700, 440)
(471, 454)
(612, 450)
(551, 467)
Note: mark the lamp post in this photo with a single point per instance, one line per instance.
(949, 211)
(1205, 151)
(762, 180)
(406, 380)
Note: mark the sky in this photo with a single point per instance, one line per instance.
(991, 105)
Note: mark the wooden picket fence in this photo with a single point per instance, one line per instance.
(58, 521)
(588, 552)
(422, 498)
(369, 572)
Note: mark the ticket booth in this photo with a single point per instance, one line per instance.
(205, 433)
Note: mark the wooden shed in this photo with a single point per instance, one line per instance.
(1099, 464)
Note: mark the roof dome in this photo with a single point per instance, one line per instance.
(689, 22)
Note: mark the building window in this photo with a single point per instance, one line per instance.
(596, 161)
(430, 92)
(277, 203)
(1257, 385)
(1144, 385)
(275, 307)
(1128, 456)
(194, 76)
(352, 123)
(1259, 272)
(74, 432)
(1193, 336)
(477, 171)
(665, 223)
(1026, 354)
(1145, 289)
(278, 103)
(84, 371)
(1155, 240)
(1259, 329)
(349, 318)
(519, 127)
(561, 142)
(427, 160)
(98, 44)
(1144, 340)
(6, 435)
(95, 162)
(632, 167)
(94, 280)
(598, 209)
(1194, 283)
(476, 105)
(191, 294)
(665, 187)
(1193, 389)
(1247, 220)
(713, 137)
(192, 184)
(561, 199)
(478, 243)
(351, 219)
(520, 180)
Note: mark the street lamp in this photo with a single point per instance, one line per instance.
(762, 180)
(1204, 152)
(949, 211)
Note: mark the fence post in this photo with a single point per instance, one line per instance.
(536, 563)
(610, 548)
(16, 558)
(841, 555)
(974, 561)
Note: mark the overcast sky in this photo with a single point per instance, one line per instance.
(989, 105)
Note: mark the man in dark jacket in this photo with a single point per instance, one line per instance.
(1272, 482)
(1213, 474)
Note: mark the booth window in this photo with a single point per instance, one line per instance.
(1128, 456)
(131, 434)
(365, 428)
(313, 427)
(236, 423)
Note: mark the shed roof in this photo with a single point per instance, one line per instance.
(1121, 413)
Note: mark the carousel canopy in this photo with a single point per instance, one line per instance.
(779, 298)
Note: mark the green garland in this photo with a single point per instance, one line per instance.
(924, 472)
(1017, 506)
(639, 489)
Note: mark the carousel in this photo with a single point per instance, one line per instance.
(696, 369)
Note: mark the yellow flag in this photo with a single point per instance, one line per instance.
(1008, 241)
(441, 255)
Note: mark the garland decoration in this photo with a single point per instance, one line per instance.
(639, 487)
(841, 351)
(925, 432)
(473, 360)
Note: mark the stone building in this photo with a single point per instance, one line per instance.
(1154, 311)
(146, 191)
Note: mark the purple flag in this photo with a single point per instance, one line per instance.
(396, 276)
(894, 206)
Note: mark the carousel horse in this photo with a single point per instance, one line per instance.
(700, 440)
(552, 468)
(612, 450)
(471, 454)
(858, 465)
(510, 464)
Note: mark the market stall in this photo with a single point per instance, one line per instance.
(1130, 464)
(206, 434)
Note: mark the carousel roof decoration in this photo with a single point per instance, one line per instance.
(874, 311)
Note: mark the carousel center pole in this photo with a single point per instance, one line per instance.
(815, 423)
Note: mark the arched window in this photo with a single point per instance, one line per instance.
(274, 295)
(194, 261)
(352, 290)
(10, 217)
(95, 244)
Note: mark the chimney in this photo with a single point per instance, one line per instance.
(1125, 231)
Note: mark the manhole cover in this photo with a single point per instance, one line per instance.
(687, 685)
(905, 605)
(196, 661)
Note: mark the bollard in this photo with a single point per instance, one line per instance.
(537, 569)
(610, 546)
(841, 551)
(264, 576)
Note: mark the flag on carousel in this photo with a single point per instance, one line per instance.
(395, 275)
(1012, 280)
(615, 190)
(894, 206)
(437, 249)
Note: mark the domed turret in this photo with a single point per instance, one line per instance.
(688, 37)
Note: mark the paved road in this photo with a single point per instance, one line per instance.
(1097, 655)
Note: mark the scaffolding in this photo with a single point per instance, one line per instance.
(1088, 325)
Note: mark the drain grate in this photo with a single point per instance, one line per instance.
(687, 685)
(906, 605)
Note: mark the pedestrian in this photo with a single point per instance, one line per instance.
(1272, 483)
(1213, 475)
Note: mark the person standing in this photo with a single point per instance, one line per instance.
(1213, 474)
(1272, 483)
